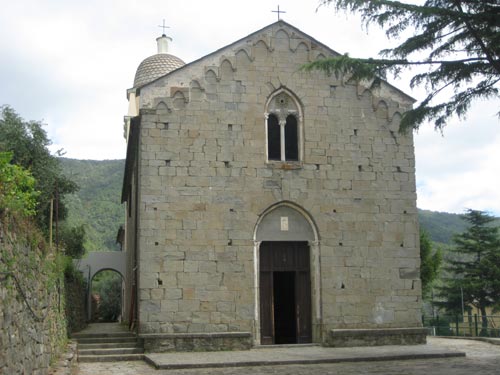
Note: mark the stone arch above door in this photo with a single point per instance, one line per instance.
(279, 225)
(285, 221)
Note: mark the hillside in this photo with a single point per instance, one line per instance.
(97, 205)
(441, 226)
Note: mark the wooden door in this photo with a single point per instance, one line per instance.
(285, 280)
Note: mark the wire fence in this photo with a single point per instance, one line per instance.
(472, 325)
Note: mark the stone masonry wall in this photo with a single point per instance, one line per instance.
(28, 341)
(74, 295)
(204, 181)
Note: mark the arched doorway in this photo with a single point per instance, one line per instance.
(287, 275)
(106, 295)
(98, 261)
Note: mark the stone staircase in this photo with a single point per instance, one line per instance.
(105, 342)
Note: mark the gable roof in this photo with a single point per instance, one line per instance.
(279, 23)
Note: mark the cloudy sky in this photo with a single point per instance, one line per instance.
(69, 63)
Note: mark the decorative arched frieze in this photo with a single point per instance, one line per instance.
(261, 45)
(162, 108)
(179, 100)
(243, 56)
(299, 45)
(211, 75)
(319, 56)
(381, 109)
(196, 92)
(226, 69)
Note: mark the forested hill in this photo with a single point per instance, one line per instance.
(441, 226)
(97, 205)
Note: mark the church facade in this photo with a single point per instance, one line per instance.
(267, 205)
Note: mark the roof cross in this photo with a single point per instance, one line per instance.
(164, 27)
(278, 11)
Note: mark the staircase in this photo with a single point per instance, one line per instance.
(106, 342)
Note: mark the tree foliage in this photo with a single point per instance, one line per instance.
(96, 204)
(457, 40)
(28, 143)
(17, 188)
(475, 267)
(108, 286)
(430, 263)
(73, 239)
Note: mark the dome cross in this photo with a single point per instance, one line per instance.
(164, 26)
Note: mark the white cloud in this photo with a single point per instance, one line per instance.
(69, 64)
(460, 169)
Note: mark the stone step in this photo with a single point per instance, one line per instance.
(110, 358)
(78, 336)
(104, 345)
(110, 351)
(98, 340)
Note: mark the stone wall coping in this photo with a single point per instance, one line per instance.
(378, 331)
(194, 335)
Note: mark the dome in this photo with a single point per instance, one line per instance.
(155, 67)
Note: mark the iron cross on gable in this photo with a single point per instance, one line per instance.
(164, 27)
(278, 11)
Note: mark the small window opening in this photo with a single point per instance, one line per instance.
(273, 138)
(291, 139)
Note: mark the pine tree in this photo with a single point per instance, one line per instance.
(475, 267)
(457, 40)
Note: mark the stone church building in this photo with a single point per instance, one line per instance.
(267, 205)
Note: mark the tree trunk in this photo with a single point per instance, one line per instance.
(484, 321)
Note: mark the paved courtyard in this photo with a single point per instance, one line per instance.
(482, 359)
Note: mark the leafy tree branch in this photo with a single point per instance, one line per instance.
(457, 40)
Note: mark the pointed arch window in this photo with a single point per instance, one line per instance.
(283, 128)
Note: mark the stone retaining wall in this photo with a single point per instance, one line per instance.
(75, 305)
(29, 339)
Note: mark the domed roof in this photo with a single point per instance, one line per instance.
(155, 67)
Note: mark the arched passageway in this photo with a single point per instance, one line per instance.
(106, 296)
(96, 262)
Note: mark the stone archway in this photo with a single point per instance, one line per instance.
(106, 291)
(287, 274)
(96, 262)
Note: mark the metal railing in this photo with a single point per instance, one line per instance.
(472, 325)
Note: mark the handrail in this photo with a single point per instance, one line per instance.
(21, 292)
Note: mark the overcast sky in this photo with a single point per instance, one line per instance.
(69, 63)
